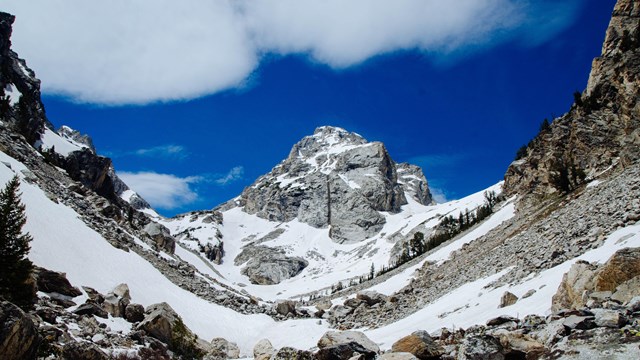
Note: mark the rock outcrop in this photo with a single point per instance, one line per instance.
(19, 338)
(54, 282)
(601, 132)
(336, 179)
(161, 237)
(23, 108)
(587, 284)
(419, 344)
(268, 266)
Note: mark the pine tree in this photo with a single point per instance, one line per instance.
(15, 267)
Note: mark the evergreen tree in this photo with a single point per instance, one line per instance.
(15, 267)
(545, 126)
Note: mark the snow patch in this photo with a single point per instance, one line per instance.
(62, 146)
(13, 94)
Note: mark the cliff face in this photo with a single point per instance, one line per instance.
(602, 129)
(336, 178)
(19, 88)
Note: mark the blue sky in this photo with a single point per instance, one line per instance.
(457, 97)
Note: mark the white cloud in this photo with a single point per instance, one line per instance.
(163, 191)
(438, 195)
(139, 51)
(234, 174)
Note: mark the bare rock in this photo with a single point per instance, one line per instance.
(335, 179)
(575, 322)
(324, 304)
(627, 290)
(521, 345)
(263, 350)
(344, 337)
(122, 291)
(91, 308)
(134, 313)
(161, 236)
(160, 322)
(268, 266)
(54, 282)
(507, 299)
(420, 344)
(624, 265)
(579, 279)
(371, 297)
(223, 349)
(480, 347)
(289, 353)
(397, 356)
(84, 351)
(497, 321)
(19, 337)
(344, 351)
(285, 307)
(609, 318)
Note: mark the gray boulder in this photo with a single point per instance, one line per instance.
(576, 322)
(579, 279)
(92, 309)
(268, 266)
(345, 351)
(420, 344)
(507, 299)
(609, 318)
(163, 323)
(285, 307)
(223, 349)
(84, 351)
(331, 338)
(289, 353)
(134, 313)
(19, 337)
(161, 237)
(371, 297)
(54, 282)
(480, 347)
(263, 350)
(116, 301)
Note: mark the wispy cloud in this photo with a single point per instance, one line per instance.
(438, 195)
(170, 151)
(169, 191)
(202, 47)
(163, 151)
(234, 174)
(163, 191)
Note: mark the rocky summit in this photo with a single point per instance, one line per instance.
(336, 179)
(338, 252)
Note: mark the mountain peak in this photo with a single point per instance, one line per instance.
(336, 179)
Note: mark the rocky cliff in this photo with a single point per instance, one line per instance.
(336, 179)
(601, 132)
(19, 88)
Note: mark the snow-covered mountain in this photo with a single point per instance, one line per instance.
(338, 236)
(328, 214)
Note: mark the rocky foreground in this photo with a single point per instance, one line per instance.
(597, 315)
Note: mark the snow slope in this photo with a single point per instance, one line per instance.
(329, 262)
(472, 304)
(62, 242)
(62, 146)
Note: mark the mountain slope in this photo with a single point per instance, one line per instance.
(335, 209)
